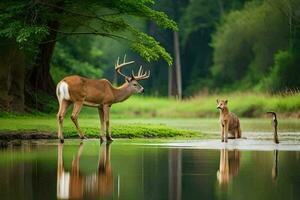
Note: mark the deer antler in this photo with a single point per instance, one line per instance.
(141, 74)
(119, 66)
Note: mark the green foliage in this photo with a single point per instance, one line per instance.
(285, 73)
(225, 46)
(76, 56)
(28, 22)
(245, 44)
(149, 48)
(13, 25)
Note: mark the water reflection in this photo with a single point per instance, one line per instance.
(74, 185)
(175, 173)
(275, 166)
(229, 165)
(145, 172)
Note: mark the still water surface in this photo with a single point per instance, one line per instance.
(124, 170)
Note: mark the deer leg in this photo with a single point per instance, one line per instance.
(222, 133)
(226, 131)
(101, 115)
(76, 109)
(63, 105)
(236, 133)
(106, 109)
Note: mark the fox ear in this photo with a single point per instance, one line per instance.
(217, 100)
(226, 101)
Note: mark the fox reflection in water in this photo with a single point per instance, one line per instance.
(229, 165)
(75, 185)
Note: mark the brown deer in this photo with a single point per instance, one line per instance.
(229, 122)
(101, 93)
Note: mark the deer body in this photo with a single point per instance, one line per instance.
(229, 122)
(93, 93)
(101, 93)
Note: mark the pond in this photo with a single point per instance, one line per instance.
(139, 169)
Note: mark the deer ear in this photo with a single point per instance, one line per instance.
(226, 101)
(127, 79)
(217, 100)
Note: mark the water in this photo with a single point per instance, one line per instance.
(132, 170)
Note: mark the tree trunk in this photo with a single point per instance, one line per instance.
(221, 7)
(172, 82)
(12, 70)
(39, 78)
(177, 65)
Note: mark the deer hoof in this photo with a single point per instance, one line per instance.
(83, 137)
(101, 139)
(109, 139)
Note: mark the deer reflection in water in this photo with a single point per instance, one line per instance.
(75, 185)
(229, 165)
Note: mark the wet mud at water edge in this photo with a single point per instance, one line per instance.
(128, 169)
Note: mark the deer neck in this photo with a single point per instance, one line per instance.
(224, 111)
(122, 93)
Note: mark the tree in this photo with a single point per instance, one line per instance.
(171, 40)
(245, 44)
(35, 26)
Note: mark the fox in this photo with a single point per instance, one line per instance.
(229, 122)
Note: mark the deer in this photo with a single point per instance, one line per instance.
(81, 91)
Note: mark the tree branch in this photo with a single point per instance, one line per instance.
(90, 33)
(79, 14)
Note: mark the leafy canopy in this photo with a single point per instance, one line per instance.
(27, 22)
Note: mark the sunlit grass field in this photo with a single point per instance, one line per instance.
(248, 104)
(243, 104)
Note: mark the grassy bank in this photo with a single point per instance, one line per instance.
(45, 127)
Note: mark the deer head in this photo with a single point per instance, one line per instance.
(132, 80)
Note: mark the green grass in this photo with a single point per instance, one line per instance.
(90, 126)
(198, 128)
(243, 104)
